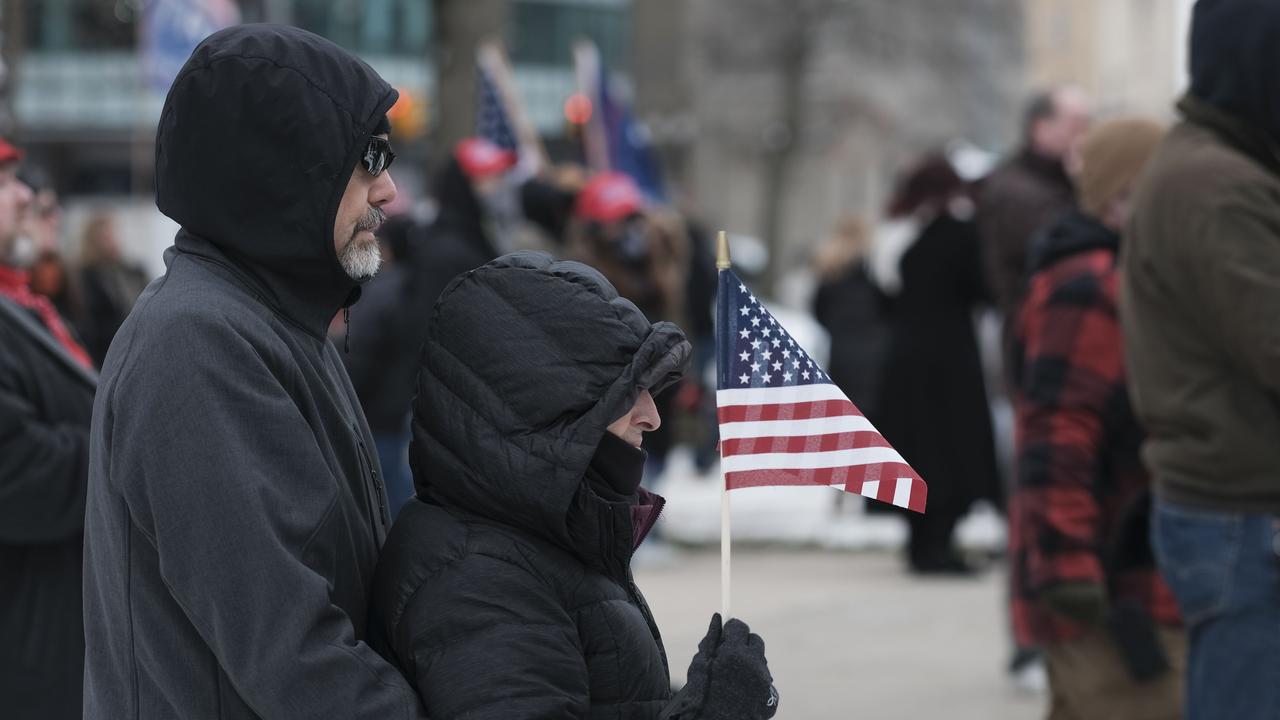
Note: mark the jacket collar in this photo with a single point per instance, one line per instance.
(310, 312)
(1237, 133)
(1072, 233)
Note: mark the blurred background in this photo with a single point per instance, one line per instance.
(791, 124)
(771, 118)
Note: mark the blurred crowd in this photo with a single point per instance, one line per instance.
(1134, 271)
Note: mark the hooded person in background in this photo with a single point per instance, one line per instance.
(46, 398)
(505, 588)
(235, 507)
(1201, 266)
(1086, 586)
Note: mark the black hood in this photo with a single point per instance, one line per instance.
(527, 361)
(258, 138)
(1234, 53)
(1072, 233)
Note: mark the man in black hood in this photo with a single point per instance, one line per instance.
(505, 588)
(1201, 297)
(235, 508)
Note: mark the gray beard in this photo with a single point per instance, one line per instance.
(359, 260)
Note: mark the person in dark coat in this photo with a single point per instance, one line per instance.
(1028, 191)
(46, 398)
(933, 404)
(382, 336)
(1079, 516)
(849, 306)
(505, 588)
(109, 285)
(235, 507)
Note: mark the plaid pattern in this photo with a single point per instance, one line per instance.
(1078, 466)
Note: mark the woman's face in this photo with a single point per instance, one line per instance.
(642, 418)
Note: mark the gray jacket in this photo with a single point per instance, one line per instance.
(235, 511)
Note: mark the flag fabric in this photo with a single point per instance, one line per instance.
(630, 151)
(171, 29)
(782, 420)
(492, 120)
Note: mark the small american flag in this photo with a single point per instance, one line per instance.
(782, 420)
(492, 121)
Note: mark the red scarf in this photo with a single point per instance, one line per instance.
(13, 285)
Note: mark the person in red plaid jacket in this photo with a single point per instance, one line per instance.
(1086, 587)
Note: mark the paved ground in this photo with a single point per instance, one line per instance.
(850, 635)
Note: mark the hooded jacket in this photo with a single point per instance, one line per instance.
(1201, 265)
(235, 510)
(504, 590)
(1081, 498)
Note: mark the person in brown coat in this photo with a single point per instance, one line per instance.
(1029, 190)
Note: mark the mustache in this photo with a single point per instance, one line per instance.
(371, 220)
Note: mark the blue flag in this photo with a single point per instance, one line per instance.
(630, 152)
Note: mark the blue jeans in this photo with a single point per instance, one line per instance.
(393, 456)
(1224, 571)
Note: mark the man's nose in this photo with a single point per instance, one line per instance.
(383, 191)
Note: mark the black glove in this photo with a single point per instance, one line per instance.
(728, 678)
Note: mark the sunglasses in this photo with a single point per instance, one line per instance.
(378, 155)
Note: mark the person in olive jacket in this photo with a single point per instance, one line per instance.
(505, 589)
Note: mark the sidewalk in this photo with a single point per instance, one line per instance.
(850, 635)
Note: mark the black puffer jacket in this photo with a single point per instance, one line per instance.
(505, 591)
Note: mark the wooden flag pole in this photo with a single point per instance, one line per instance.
(723, 263)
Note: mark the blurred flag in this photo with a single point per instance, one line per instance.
(500, 116)
(613, 139)
(782, 420)
(492, 121)
(171, 29)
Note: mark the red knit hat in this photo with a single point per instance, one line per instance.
(8, 153)
(480, 158)
(609, 196)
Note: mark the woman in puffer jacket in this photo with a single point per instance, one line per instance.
(505, 588)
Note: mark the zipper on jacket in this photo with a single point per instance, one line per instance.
(372, 487)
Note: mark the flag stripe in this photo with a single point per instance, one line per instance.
(856, 480)
(802, 443)
(810, 461)
(787, 428)
(787, 411)
(790, 394)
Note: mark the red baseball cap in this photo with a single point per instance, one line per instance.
(609, 196)
(480, 158)
(8, 153)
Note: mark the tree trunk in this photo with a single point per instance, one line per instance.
(460, 26)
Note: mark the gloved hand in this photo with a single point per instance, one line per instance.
(728, 678)
(1081, 602)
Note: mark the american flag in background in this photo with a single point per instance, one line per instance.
(782, 420)
(492, 121)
